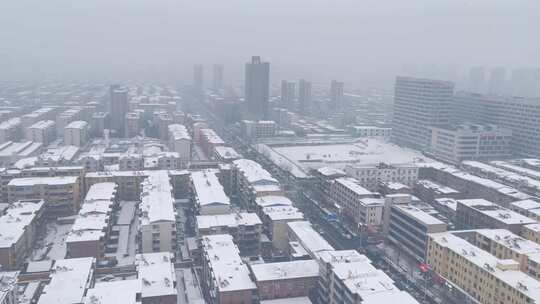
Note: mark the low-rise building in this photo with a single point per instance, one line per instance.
(358, 204)
(76, 133)
(115, 292)
(258, 129)
(245, 228)
(429, 191)
(43, 131)
(531, 232)
(209, 195)
(409, 227)
(61, 193)
(225, 276)
(180, 141)
(529, 208)
(275, 221)
(226, 154)
(454, 144)
(18, 228)
(156, 272)
(480, 213)
(209, 140)
(310, 240)
(370, 176)
(251, 180)
(8, 287)
(286, 279)
(157, 221)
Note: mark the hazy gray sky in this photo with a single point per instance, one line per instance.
(362, 42)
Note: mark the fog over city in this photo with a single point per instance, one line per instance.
(269, 152)
(362, 42)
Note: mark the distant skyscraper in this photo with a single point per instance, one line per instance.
(288, 94)
(477, 79)
(336, 93)
(257, 85)
(304, 96)
(497, 81)
(198, 77)
(118, 109)
(217, 82)
(419, 104)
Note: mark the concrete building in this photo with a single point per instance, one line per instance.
(371, 176)
(217, 80)
(480, 213)
(224, 275)
(198, 77)
(158, 278)
(257, 85)
(76, 134)
(114, 292)
(180, 141)
(43, 131)
(288, 94)
(11, 130)
(408, 228)
(286, 279)
(304, 97)
(63, 119)
(531, 232)
(311, 241)
(118, 108)
(529, 208)
(41, 114)
(8, 287)
(62, 194)
(245, 228)
(68, 281)
(208, 140)
(11, 152)
(98, 123)
(92, 226)
(226, 154)
(515, 113)
(209, 195)
(19, 224)
(480, 275)
(157, 221)
(371, 131)
(429, 191)
(258, 129)
(132, 124)
(455, 143)
(418, 104)
(250, 181)
(337, 99)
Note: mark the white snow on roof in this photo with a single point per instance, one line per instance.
(14, 222)
(297, 300)
(502, 174)
(70, 278)
(279, 213)
(329, 171)
(449, 203)
(510, 240)
(527, 205)
(42, 124)
(156, 272)
(116, 292)
(208, 189)
(285, 270)
(229, 220)
(211, 136)
(442, 189)
(78, 124)
(254, 173)
(31, 181)
(485, 260)
(230, 272)
(101, 191)
(419, 215)
(310, 239)
(157, 201)
(354, 185)
(518, 169)
(178, 132)
(273, 200)
(496, 212)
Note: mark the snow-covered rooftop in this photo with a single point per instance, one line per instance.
(101, 191)
(285, 270)
(354, 185)
(178, 131)
(229, 220)
(211, 136)
(14, 222)
(419, 215)
(310, 239)
(156, 272)
(496, 212)
(70, 278)
(116, 292)
(279, 213)
(227, 153)
(208, 189)
(78, 124)
(157, 201)
(438, 188)
(254, 172)
(273, 200)
(31, 181)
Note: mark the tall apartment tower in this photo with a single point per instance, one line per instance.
(198, 77)
(118, 108)
(304, 96)
(288, 94)
(336, 93)
(497, 81)
(477, 79)
(257, 85)
(217, 81)
(419, 104)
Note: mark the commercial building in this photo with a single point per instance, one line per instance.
(371, 176)
(19, 225)
(43, 131)
(76, 133)
(156, 272)
(92, 226)
(62, 194)
(480, 213)
(209, 195)
(455, 143)
(408, 228)
(118, 108)
(157, 221)
(257, 85)
(68, 281)
(250, 181)
(419, 104)
(518, 114)
(245, 228)
(286, 279)
(479, 274)
(224, 275)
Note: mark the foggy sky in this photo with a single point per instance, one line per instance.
(362, 42)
